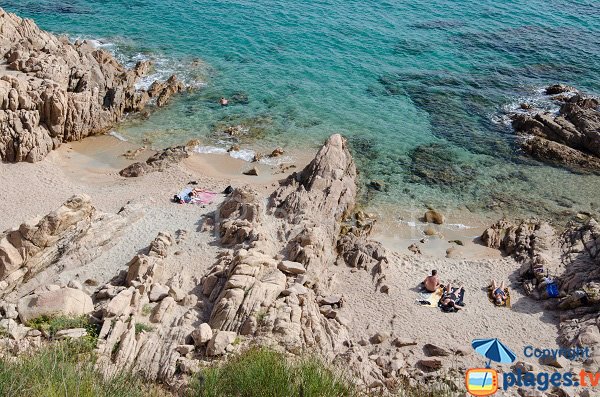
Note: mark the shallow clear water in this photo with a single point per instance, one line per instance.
(419, 87)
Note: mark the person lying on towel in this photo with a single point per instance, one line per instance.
(498, 293)
(452, 299)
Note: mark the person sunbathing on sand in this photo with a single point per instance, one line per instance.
(498, 293)
(432, 282)
(452, 298)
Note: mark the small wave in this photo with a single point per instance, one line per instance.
(276, 161)
(458, 226)
(118, 136)
(163, 67)
(538, 99)
(245, 154)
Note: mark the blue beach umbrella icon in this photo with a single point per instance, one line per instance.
(493, 350)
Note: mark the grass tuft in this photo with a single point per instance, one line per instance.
(263, 372)
(51, 325)
(141, 327)
(66, 368)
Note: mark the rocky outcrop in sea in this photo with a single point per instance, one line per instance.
(54, 91)
(570, 137)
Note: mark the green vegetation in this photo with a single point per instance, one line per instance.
(51, 325)
(66, 368)
(146, 309)
(141, 327)
(265, 373)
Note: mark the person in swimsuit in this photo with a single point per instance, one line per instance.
(452, 298)
(432, 282)
(224, 102)
(498, 293)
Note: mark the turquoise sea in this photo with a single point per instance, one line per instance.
(420, 88)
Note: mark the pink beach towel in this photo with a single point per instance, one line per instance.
(203, 197)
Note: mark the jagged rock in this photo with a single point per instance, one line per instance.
(556, 362)
(162, 309)
(73, 333)
(433, 216)
(184, 350)
(65, 301)
(414, 248)
(332, 300)
(15, 331)
(252, 171)
(402, 342)
(295, 289)
(9, 311)
(188, 366)
(291, 267)
(75, 284)
(379, 337)
(55, 91)
(164, 91)
(559, 89)
(157, 162)
(570, 138)
(120, 304)
(359, 252)
(178, 294)
(158, 292)
(431, 350)
(70, 236)
(254, 282)
(430, 364)
(219, 342)
(202, 334)
(277, 152)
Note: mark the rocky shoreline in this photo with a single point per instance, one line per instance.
(273, 279)
(172, 289)
(570, 138)
(53, 91)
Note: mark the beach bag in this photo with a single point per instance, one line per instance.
(552, 290)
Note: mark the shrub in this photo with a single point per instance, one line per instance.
(51, 325)
(141, 327)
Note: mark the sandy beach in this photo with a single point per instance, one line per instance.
(92, 166)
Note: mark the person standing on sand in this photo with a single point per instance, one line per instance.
(432, 282)
(223, 102)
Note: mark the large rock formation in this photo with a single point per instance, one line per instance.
(571, 261)
(72, 235)
(271, 285)
(571, 137)
(274, 286)
(54, 91)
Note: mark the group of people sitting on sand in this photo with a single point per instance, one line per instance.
(453, 298)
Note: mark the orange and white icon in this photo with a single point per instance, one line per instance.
(481, 381)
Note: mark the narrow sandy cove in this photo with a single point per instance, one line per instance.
(92, 166)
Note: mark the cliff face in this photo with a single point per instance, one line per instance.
(53, 91)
